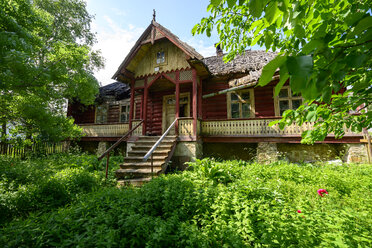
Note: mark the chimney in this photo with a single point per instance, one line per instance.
(219, 51)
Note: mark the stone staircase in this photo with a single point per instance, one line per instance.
(134, 171)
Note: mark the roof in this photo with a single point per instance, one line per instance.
(152, 29)
(251, 63)
(118, 90)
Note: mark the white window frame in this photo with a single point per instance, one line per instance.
(252, 112)
(289, 98)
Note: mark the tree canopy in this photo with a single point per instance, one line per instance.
(46, 58)
(324, 49)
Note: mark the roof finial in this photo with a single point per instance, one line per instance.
(154, 15)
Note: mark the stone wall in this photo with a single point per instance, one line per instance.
(267, 152)
(186, 151)
(356, 153)
(230, 151)
(311, 153)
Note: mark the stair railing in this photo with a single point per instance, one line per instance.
(150, 152)
(107, 152)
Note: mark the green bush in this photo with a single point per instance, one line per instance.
(45, 183)
(215, 204)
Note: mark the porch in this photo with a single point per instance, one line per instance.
(254, 129)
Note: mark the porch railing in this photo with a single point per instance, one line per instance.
(107, 152)
(185, 126)
(138, 131)
(255, 127)
(105, 130)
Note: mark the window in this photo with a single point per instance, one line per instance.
(101, 113)
(124, 112)
(286, 100)
(161, 57)
(240, 104)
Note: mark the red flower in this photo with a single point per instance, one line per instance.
(322, 191)
(299, 211)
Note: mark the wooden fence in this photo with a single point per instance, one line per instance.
(38, 148)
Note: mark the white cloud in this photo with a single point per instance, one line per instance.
(201, 47)
(115, 43)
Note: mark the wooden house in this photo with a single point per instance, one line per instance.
(216, 106)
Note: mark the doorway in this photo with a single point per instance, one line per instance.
(169, 109)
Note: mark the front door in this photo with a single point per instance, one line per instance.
(169, 110)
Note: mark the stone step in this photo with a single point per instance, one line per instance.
(140, 159)
(142, 153)
(151, 142)
(147, 147)
(136, 182)
(142, 164)
(135, 173)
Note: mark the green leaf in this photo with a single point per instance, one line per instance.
(216, 2)
(256, 8)
(363, 24)
(299, 31)
(312, 45)
(272, 12)
(269, 69)
(284, 76)
(231, 3)
(300, 68)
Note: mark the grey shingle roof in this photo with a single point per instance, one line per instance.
(251, 62)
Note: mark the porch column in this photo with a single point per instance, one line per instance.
(131, 106)
(145, 95)
(177, 99)
(194, 100)
(200, 86)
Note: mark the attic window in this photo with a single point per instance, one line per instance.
(160, 57)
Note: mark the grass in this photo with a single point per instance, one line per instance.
(213, 204)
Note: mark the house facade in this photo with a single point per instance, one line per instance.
(218, 108)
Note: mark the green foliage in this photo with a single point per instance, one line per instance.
(216, 204)
(43, 184)
(46, 59)
(325, 47)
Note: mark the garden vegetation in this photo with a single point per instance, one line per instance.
(64, 201)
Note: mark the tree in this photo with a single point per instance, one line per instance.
(324, 47)
(46, 58)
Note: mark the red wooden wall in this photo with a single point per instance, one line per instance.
(81, 113)
(216, 107)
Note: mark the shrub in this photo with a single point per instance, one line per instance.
(233, 205)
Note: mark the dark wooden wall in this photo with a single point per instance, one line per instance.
(264, 100)
(214, 107)
(81, 113)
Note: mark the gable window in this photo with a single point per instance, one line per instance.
(101, 113)
(240, 104)
(161, 57)
(287, 100)
(124, 112)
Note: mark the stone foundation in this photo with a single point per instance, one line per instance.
(311, 153)
(267, 152)
(356, 153)
(186, 151)
(102, 147)
(230, 151)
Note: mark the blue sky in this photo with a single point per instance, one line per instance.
(119, 24)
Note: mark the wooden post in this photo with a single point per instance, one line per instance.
(145, 93)
(194, 100)
(177, 100)
(200, 90)
(141, 108)
(131, 106)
